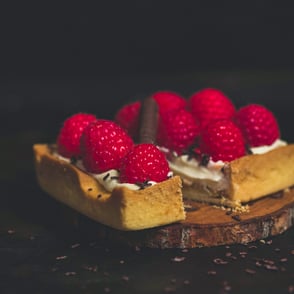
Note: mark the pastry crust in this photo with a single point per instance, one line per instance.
(246, 179)
(254, 176)
(123, 209)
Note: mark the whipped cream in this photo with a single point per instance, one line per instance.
(192, 168)
(267, 148)
(109, 179)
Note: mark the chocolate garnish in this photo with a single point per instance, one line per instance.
(143, 185)
(106, 177)
(148, 121)
(204, 159)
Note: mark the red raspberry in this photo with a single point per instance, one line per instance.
(258, 124)
(128, 118)
(210, 104)
(68, 139)
(144, 163)
(167, 100)
(177, 130)
(103, 145)
(222, 140)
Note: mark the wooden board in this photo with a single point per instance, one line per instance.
(207, 226)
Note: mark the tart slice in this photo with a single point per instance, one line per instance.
(238, 182)
(122, 208)
(97, 169)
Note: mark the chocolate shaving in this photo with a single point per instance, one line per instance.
(204, 159)
(148, 121)
(143, 185)
(106, 176)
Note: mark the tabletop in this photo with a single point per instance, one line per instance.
(42, 253)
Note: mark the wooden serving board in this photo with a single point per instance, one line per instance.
(207, 226)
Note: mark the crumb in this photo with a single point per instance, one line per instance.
(178, 258)
(75, 245)
(61, 257)
(125, 278)
(68, 274)
(220, 261)
(90, 268)
(271, 267)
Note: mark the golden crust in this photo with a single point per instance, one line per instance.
(246, 179)
(254, 176)
(123, 209)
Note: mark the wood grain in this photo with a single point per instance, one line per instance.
(207, 226)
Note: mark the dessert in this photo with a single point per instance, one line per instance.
(141, 169)
(224, 156)
(96, 169)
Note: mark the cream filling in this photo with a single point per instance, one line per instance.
(109, 179)
(267, 148)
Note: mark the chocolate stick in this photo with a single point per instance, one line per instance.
(148, 121)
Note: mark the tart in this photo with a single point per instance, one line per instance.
(122, 208)
(240, 181)
(96, 169)
(138, 171)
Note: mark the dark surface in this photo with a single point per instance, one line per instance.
(40, 253)
(130, 37)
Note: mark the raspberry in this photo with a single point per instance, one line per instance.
(128, 118)
(177, 130)
(210, 104)
(68, 139)
(222, 140)
(104, 143)
(167, 100)
(258, 124)
(144, 163)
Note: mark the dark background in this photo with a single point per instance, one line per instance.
(57, 59)
(114, 38)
